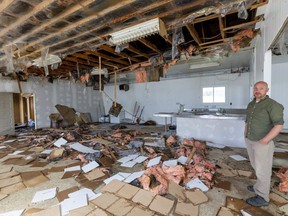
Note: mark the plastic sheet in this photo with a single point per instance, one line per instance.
(282, 46)
(9, 58)
(44, 56)
(178, 38)
(121, 47)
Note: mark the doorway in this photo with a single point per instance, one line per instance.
(24, 110)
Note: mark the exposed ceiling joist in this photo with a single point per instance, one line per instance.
(150, 45)
(193, 33)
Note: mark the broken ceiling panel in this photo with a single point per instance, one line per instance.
(77, 28)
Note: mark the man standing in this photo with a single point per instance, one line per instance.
(263, 123)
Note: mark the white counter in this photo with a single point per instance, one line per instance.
(228, 132)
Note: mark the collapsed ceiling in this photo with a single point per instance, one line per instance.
(79, 32)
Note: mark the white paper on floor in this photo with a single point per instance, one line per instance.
(196, 183)
(9, 141)
(140, 159)
(90, 166)
(16, 152)
(170, 163)
(133, 176)
(182, 159)
(73, 203)
(81, 148)
(74, 168)
(60, 142)
(244, 213)
(238, 157)
(127, 158)
(13, 213)
(44, 195)
(116, 176)
(47, 151)
(128, 164)
(154, 161)
(88, 192)
(2, 147)
(124, 174)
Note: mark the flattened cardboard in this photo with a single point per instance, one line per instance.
(8, 174)
(70, 174)
(196, 197)
(224, 211)
(30, 179)
(277, 200)
(81, 179)
(106, 161)
(18, 161)
(3, 196)
(5, 169)
(176, 190)
(39, 164)
(238, 204)
(94, 174)
(220, 183)
(56, 153)
(55, 211)
(64, 194)
(186, 209)
(82, 211)
(227, 172)
(12, 188)
(244, 173)
(10, 181)
(30, 211)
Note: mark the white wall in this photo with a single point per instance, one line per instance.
(162, 96)
(47, 95)
(275, 16)
(279, 83)
(6, 114)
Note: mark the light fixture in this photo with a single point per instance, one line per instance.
(96, 71)
(50, 60)
(138, 31)
(204, 65)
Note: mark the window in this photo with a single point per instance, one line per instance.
(214, 95)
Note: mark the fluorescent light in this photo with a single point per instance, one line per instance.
(139, 31)
(204, 65)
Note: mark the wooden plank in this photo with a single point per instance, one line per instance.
(221, 26)
(5, 4)
(124, 55)
(107, 57)
(25, 17)
(55, 19)
(150, 45)
(257, 19)
(193, 33)
(79, 23)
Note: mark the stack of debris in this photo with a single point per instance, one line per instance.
(140, 173)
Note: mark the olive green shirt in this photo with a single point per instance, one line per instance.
(262, 116)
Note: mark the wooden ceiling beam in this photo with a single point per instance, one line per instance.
(193, 33)
(73, 62)
(5, 4)
(125, 17)
(80, 22)
(150, 45)
(221, 26)
(55, 19)
(25, 17)
(134, 50)
(95, 60)
(124, 55)
(243, 25)
(107, 57)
